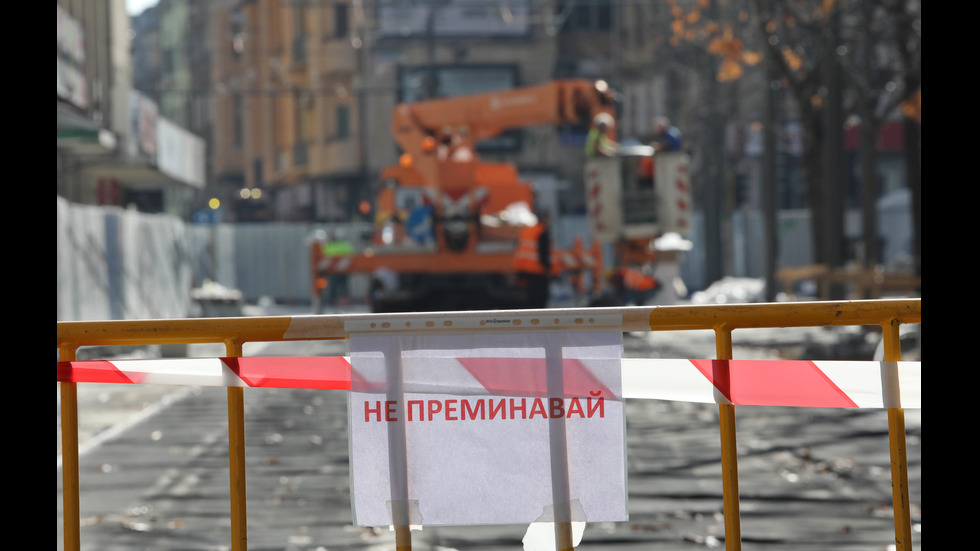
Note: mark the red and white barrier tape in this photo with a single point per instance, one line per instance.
(839, 384)
(327, 372)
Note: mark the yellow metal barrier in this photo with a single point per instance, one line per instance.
(723, 320)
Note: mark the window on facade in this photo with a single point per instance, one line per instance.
(258, 179)
(341, 25)
(585, 15)
(342, 129)
(237, 34)
(238, 123)
(640, 25)
(299, 33)
(451, 81)
(302, 113)
(305, 123)
(299, 19)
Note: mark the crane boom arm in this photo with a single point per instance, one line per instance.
(471, 118)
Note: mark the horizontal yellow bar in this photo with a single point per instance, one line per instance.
(634, 318)
(787, 314)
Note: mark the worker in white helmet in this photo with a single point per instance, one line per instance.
(598, 142)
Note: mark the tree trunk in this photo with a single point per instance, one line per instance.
(812, 124)
(769, 205)
(869, 192)
(717, 218)
(913, 160)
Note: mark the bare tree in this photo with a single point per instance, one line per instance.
(878, 52)
(908, 43)
(835, 58)
(706, 46)
(795, 41)
(883, 70)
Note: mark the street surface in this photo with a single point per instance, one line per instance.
(154, 465)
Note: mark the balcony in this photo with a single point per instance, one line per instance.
(288, 170)
(337, 156)
(339, 56)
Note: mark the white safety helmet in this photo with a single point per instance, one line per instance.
(603, 121)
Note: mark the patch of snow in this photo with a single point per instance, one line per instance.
(732, 290)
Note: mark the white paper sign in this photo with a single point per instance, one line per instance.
(489, 428)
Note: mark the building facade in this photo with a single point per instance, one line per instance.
(295, 98)
(300, 94)
(113, 146)
(304, 91)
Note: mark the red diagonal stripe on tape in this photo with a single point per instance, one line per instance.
(529, 377)
(93, 371)
(773, 383)
(320, 372)
(360, 384)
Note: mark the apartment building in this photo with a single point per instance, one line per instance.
(285, 141)
(92, 88)
(107, 133)
(301, 92)
(304, 91)
(295, 97)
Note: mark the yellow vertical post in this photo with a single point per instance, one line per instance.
(896, 439)
(729, 453)
(236, 457)
(403, 537)
(71, 519)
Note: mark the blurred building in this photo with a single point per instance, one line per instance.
(291, 100)
(113, 147)
(303, 92)
(294, 98)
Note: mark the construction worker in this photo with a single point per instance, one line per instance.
(598, 143)
(337, 246)
(532, 261)
(638, 286)
(666, 137)
(630, 286)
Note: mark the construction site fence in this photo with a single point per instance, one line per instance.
(116, 263)
(723, 320)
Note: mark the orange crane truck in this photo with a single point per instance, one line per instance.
(446, 222)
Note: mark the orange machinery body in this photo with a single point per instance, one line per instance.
(447, 222)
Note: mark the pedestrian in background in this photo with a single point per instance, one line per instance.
(337, 246)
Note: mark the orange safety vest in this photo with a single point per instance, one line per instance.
(556, 263)
(646, 167)
(526, 258)
(636, 279)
